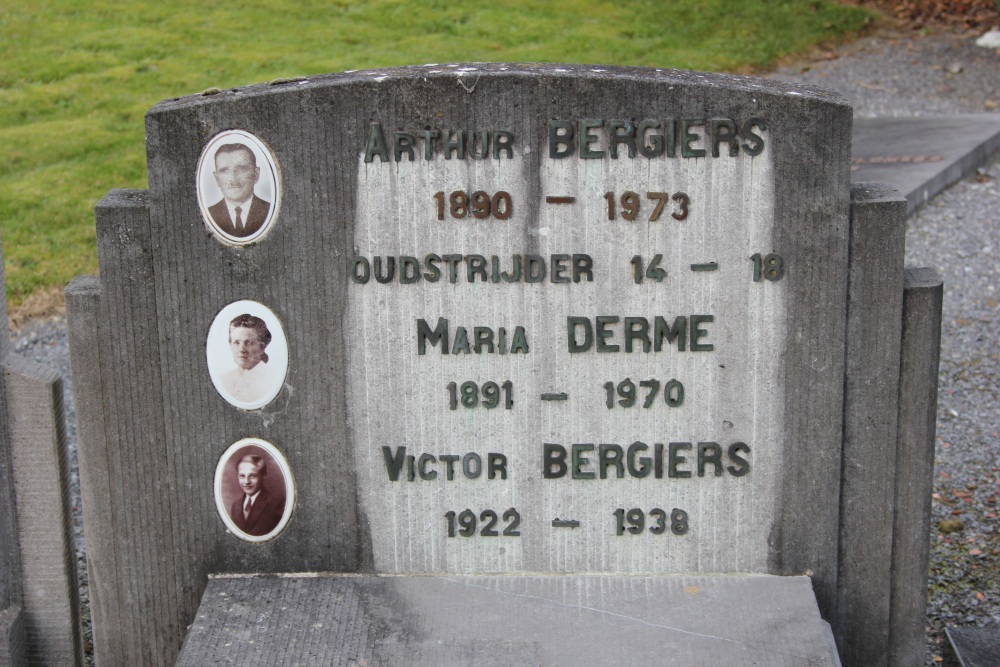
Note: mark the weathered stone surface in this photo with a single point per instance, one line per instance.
(100, 517)
(50, 594)
(140, 583)
(39, 615)
(11, 626)
(509, 620)
(12, 648)
(375, 345)
(920, 157)
(874, 315)
(921, 348)
(975, 647)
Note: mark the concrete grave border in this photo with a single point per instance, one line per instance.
(39, 594)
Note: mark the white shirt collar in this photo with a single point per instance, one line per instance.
(244, 210)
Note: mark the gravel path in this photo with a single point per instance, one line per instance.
(958, 234)
(908, 75)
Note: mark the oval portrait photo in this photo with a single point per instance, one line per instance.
(247, 354)
(239, 187)
(254, 491)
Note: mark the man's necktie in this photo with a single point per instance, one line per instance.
(248, 504)
(239, 219)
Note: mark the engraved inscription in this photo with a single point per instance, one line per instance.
(627, 252)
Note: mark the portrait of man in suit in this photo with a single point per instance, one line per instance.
(258, 512)
(240, 212)
(238, 183)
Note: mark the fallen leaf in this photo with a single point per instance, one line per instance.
(951, 526)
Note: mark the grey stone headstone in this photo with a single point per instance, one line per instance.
(39, 596)
(777, 289)
(874, 312)
(921, 345)
(11, 621)
(9, 567)
(49, 592)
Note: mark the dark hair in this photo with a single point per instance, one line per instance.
(235, 148)
(257, 460)
(248, 321)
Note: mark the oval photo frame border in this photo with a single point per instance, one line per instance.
(286, 473)
(242, 136)
(222, 320)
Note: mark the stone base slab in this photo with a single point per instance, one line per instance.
(975, 647)
(12, 645)
(920, 157)
(509, 620)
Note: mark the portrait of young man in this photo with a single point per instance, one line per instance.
(259, 510)
(254, 490)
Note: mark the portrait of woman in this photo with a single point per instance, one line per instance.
(247, 354)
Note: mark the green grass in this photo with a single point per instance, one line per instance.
(77, 77)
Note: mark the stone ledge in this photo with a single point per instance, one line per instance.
(975, 647)
(922, 156)
(509, 620)
(12, 642)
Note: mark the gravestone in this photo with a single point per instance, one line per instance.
(497, 319)
(11, 621)
(39, 595)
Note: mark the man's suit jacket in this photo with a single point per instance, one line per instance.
(253, 219)
(265, 514)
